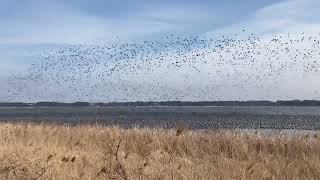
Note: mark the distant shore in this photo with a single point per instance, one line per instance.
(166, 103)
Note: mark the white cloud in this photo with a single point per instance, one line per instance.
(298, 18)
(291, 16)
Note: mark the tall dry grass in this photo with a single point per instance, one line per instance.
(93, 152)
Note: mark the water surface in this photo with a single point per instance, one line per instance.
(195, 117)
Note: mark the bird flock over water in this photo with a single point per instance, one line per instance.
(173, 68)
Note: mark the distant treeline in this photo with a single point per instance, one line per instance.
(167, 103)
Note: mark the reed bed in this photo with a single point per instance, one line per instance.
(34, 151)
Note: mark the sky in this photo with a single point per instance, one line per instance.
(31, 27)
(74, 21)
(37, 25)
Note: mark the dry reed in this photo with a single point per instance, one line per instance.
(29, 151)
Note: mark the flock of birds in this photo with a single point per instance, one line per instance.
(172, 68)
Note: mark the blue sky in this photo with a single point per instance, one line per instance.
(74, 21)
(30, 27)
(35, 25)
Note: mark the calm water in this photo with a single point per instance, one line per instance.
(253, 117)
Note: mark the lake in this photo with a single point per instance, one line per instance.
(194, 117)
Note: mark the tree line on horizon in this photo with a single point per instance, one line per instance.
(166, 103)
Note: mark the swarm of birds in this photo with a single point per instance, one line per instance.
(172, 68)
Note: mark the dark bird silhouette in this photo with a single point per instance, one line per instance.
(171, 68)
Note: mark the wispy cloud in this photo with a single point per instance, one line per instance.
(36, 22)
(56, 23)
(292, 16)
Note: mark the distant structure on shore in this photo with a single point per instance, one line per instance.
(166, 103)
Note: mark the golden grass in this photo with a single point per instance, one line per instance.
(93, 152)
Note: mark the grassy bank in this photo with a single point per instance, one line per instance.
(56, 152)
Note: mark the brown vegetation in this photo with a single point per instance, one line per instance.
(93, 152)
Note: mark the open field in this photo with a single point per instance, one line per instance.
(29, 151)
